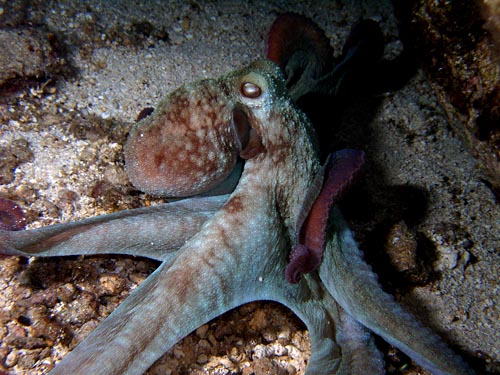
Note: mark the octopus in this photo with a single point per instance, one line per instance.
(257, 220)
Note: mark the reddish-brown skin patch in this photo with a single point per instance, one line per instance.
(11, 216)
(235, 205)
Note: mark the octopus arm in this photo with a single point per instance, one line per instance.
(355, 287)
(339, 344)
(312, 304)
(359, 354)
(155, 232)
(153, 310)
(301, 49)
(194, 287)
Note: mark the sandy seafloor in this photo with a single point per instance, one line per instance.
(76, 130)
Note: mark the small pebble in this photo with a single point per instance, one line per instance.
(202, 359)
(12, 358)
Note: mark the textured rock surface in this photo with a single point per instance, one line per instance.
(422, 190)
(28, 54)
(458, 43)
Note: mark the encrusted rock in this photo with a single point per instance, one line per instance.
(28, 54)
(458, 43)
(11, 156)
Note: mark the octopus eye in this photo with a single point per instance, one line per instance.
(251, 90)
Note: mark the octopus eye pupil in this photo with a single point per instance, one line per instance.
(251, 90)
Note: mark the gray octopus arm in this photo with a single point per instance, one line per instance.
(354, 286)
(184, 306)
(153, 232)
(339, 344)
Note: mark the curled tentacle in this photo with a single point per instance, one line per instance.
(342, 168)
(302, 50)
(11, 216)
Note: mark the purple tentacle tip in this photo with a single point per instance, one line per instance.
(302, 260)
(11, 216)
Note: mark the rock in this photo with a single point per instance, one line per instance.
(458, 44)
(28, 54)
(11, 156)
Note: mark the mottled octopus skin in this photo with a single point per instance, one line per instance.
(175, 151)
(233, 249)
